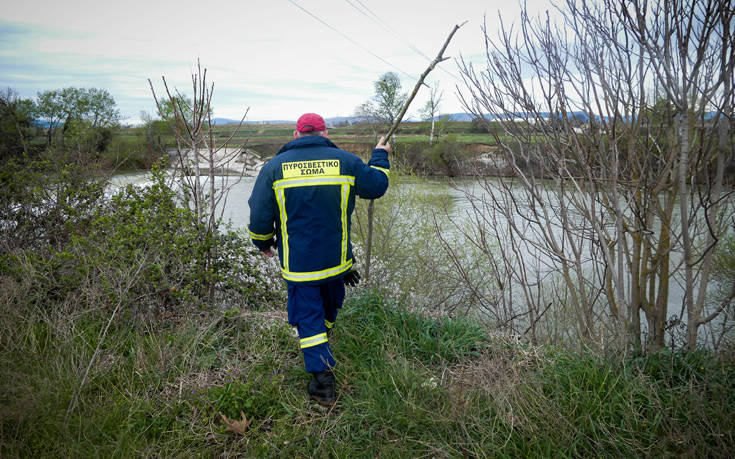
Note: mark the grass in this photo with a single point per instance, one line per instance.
(409, 386)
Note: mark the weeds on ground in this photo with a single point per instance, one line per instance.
(409, 385)
(83, 378)
(409, 263)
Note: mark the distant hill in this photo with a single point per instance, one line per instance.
(456, 116)
(336, 120)
(231, 121)
(466, 117)
(339, 120)
(331, 122)
(581, 116)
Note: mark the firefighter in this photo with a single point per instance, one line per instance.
(302, 204)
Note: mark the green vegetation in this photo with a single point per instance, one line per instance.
(126, 330)
(83, 124)
(411, 265)
(409, 386)
(76, 124)
(109, 347)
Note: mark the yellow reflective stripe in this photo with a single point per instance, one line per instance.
(316, 275)
(313, 340)
(281, 198)
(345, 235)
(383, 170)
(312, 181)
(279, 187)
(328, 323)
(260, 237)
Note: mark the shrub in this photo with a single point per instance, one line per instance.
(445, 155)
(44, 201)
(137, 249)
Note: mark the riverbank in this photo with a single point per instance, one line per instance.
(231, 382)
(116, 339)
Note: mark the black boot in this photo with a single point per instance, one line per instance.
(322, 389)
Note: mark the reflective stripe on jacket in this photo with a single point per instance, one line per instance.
(304, 197)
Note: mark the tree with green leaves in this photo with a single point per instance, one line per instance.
(385, 105)
(16, 123)
(86, 116)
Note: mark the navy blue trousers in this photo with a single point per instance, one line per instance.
(312, 309)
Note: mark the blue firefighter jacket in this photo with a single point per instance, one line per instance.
(304, 198)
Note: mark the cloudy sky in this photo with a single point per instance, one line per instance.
(280, 58)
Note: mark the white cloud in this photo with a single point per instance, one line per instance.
(266, 54)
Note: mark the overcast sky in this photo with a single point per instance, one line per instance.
(269, 55)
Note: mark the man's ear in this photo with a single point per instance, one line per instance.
(295, 134)
(324, 134)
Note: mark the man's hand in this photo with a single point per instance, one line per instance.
(383, 144)
(268, 253)
(352, 278)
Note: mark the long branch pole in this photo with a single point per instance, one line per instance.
(371, 206)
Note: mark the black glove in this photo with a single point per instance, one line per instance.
(352, 277)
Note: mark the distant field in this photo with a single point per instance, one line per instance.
(267, 139)
(410, 129)
(409, 132)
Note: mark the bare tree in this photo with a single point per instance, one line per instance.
(618, 186)
(196, 143)
(431, 108)
(692, 44)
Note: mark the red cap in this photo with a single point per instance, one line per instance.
(309, 122)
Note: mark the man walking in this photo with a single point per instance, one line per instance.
(302, 203)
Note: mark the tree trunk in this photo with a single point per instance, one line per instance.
(369, 244)
(431, 133)
(686, 238)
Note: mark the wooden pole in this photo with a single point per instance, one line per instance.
(371, 206)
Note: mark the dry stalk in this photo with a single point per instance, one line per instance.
(371, 206)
